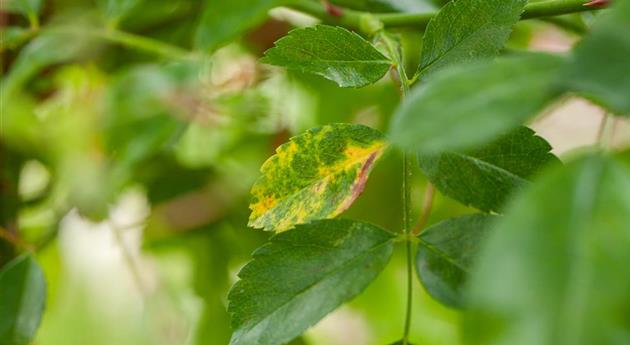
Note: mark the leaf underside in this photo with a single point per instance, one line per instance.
(303, 274)
(316, 175)
(601, 62)
(331, 52)
(470, 105)
(555, 269)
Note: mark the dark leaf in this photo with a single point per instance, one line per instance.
(303, 274)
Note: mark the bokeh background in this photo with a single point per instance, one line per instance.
(127, 172)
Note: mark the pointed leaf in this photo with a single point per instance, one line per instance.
(484, 178)
(555, 269)
(223, 21)
(331, 52)
(446, 254)
(316, 175)
(464, 30)
(472, 104)
(22, 298)
(303, 274)
(601, 63)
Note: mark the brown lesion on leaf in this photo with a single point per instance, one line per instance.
(597, 3)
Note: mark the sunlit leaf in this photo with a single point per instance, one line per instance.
(471, 105)
(303, 274)
(22, 299)
(316, 175)
(331, 52)
(600, 64)
(446, 254)
(555, 269)
(465, 30)
(486, 177)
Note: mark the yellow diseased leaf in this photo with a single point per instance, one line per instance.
(316, 175)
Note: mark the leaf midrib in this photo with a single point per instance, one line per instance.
(326, 276)
(490, 165)
(442, 254)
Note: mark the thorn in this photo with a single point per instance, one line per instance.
(332, 9)
(597, 3)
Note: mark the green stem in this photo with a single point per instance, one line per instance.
(134, 41)
(396, 54)
(143, 43)
(355, 19)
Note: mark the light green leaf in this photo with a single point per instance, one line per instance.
(331, 52)
(44, 50)
(555, 269)
(116, 9)
(486, 177)
(446, 254)
(464, 30)
(303, 274)
(25, 7)
(600, 64)
(470, 105)
(223, 21)
(316, 175)
(13, 36)
(22, 299)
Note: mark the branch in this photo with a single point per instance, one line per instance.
(357, 19)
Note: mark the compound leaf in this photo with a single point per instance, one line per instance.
(464, 30)
(484, 178)
(316, 175)
(331, 52)
(446, 254)
(22, 298)
(555, 269)
(600, 64)
(472, 104)
(303, 274)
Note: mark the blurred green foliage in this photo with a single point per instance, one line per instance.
(164, 103)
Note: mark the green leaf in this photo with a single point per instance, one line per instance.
(464, 30)
(400, 342)
(471, 104)
(486, 177)
(13, 36)
(303, 274)
(25, 7)
(316, 175)
(600, 63)
(116, 9)
(44, 50)
(446, 254)
(555, 269)
(222, 21)
(22, 298)
(331, 52)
